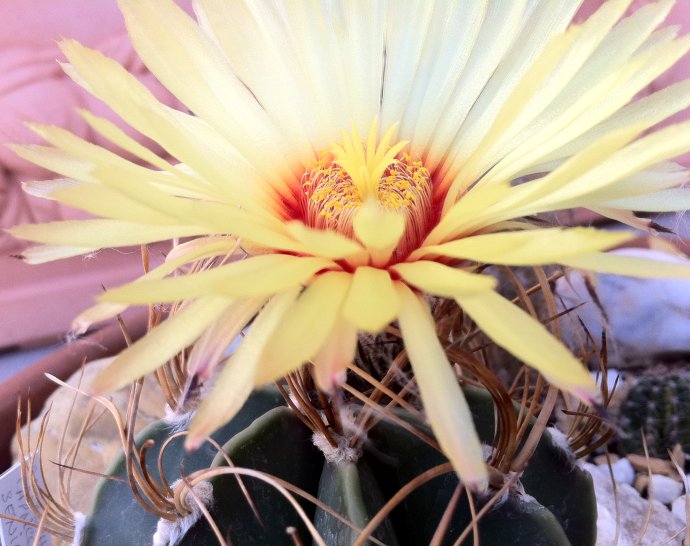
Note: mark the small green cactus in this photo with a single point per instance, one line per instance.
(659, 406)
(557, 507)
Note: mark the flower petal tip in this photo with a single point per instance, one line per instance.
(96, 390)
(78, 328)
(192, 443)
(589, 395)
(477, 484)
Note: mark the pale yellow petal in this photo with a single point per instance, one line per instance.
(372, 302)
(185, 136)
(210, 347)
(55, 160)
(106, 202)
(236, 381)
(520, 334)
(253, 34)
(192, 67)
(116, 135)
(609, 79)
(217, 217)
(230, 391)
(101, 233)
(327, 244)
(663, 201)
(334, 356)
(311, 320)
(160, 344)
(632, 266)
(625, 217)
(444, 402)
(96, 313)
(537, 79)
(547, 190)
(257, 276)
(644, 152)
(48, 253)
(533, 40)
(77, 149)
(530, 247)
(469, 206)
(145, 191)
(378, 229)
(178, 256)
(442, 280)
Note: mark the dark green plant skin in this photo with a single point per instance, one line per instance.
(558, 510)
(352, 490)
(276, 443)
(121, 520)
(562, 511)
(659, 405)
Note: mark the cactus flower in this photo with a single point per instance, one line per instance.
(364, 155)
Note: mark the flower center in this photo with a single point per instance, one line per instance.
(338, 182)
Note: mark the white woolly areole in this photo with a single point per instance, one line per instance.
(342, 451)
(339, 453)
(169, 533)
(79, 526)
(178, 422)
(560, 440)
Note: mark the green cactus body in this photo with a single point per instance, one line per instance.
(660, 406)
(115, 503)
(558, 508)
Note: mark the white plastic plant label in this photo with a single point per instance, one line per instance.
(13, 503)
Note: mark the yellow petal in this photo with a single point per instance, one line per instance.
(311, 320)
(258, 276)
(55, 160)
(539, 78)
(334, 356)
(48, 253)
(217, 217)
(372, 302)
(185, 136)
(327, 244)
(442, 280)
(160, 344)
(662, 201)
(101, 200)
(616, 264)
(378, 229)
(117, 136)
(100, 233)
(96, 313)
(476, 199)
(641, 154)
(210, 347)
(202, 79)
(178, 256)
(530, 247)
(520, 334)
(80, 151)
(444, 403)
(236, 381)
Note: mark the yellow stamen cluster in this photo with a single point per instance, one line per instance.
(331, 196)
(338, 182)
(404, 183)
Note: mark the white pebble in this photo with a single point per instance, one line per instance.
(678, 507)
(666, 489)
(614, 377)
(623, 471)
